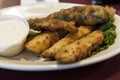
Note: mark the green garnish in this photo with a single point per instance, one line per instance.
(109, 35)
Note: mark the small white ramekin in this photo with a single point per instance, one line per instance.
(15, 48)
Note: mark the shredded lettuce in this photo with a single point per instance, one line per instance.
(32, 33)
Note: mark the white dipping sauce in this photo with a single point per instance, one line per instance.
(12, 37)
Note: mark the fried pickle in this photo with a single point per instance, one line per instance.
(85, 15)
(70, 14)
(71, 37)
(80, 48)
(51, 24)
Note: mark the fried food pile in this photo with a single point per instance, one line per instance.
(69, 35)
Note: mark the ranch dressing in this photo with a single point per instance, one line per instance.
(12, 37)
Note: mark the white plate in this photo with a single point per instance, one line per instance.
(34, 63)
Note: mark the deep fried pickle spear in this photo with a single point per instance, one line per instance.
(70, 14)
(71, 37)
(94, 14)
(85, 15)
(51, 24)
(80, 48)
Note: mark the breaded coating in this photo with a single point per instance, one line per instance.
(42, 42)
(85, 15)
(70, 14)
(51, 24)
(94, 14)
(71, 37)
(110, 10)
(80, 48)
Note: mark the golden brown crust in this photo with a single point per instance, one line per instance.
(85, 15)
(70, 14)
(82, 31)
(80, 48)
(42, 42)
(51, 24)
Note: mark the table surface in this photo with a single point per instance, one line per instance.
(106, 70)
